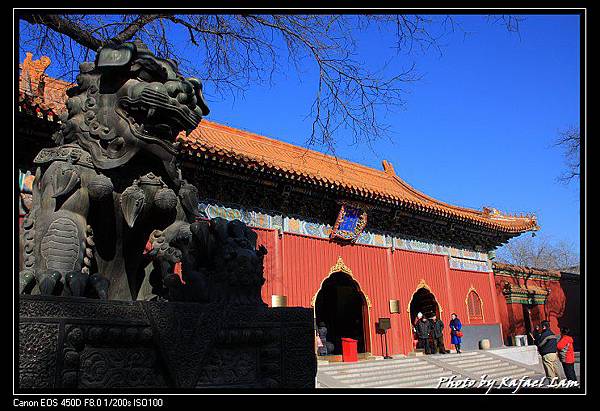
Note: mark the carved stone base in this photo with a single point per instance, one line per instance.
(72, 343)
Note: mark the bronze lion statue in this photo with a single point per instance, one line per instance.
(110, 199)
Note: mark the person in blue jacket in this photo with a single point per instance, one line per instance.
(455, 327)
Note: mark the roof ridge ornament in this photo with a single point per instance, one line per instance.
(494, 212)
(388, 167)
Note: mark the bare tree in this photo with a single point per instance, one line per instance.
(570, 141)
(233, 51)
(538, 252)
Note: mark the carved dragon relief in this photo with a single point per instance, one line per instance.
(112, 189)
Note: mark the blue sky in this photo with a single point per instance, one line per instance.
(477, 129)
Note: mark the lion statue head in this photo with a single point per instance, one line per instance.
(129, 101)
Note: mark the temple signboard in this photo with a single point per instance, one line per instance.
(350, 223)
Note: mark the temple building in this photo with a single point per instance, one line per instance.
(354, 243)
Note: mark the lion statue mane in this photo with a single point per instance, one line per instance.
(109, 200)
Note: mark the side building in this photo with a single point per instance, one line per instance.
(528, 296)
(354, 243)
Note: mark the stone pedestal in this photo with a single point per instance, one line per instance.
(81, 344)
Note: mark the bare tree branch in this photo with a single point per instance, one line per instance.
(538, 252)
(63, 25)
(232, 52)
(570, 141)
(133, 28)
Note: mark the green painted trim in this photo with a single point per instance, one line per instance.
(511, 300)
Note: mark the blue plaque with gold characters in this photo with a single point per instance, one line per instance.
(350, 223)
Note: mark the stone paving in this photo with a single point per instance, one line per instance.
(423, 371)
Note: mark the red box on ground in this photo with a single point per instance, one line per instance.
(349, 350)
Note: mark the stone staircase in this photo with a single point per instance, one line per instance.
(475, 364)
(419, 371)
(413, 372)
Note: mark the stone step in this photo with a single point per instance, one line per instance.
(339, 358)
(464, 357)
(379, 364)
(433, 385)
(484, 367)
(367, 374)
(369, 362)
(408, 381)
(459, 360)
(474, 361)
(498, 369)
(467, 353)
(416, 353)
(399, 375)
(424, 372)
(402, 383)
(514, 373)
(419, 384)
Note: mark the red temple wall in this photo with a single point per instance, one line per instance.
(572, 315)
(555, 305)
(482, 283)
(511, 315)
(307, 262)
(409, 269)
(296, 265)
(561, 307)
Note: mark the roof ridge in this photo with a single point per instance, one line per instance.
(371, 170)
(313, 152)
(524, 267)
(407, 186)
(237, 133)
(318, 166)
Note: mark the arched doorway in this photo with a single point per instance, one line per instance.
(423, 301)
(343, 308)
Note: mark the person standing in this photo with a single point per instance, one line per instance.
(455, 332)
(321, 350)
(535, 334)
(546, 343)
(415, 336)
(437, 334)
(327, 347)
(423, 333)
(566, 354)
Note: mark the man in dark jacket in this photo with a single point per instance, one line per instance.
(423, 328)
(437, 327)
(546, 343)
(535, 334)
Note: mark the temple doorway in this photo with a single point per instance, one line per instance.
(527, 323)
(342, 307)
(423, 301)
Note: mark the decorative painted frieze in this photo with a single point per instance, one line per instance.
(460, 259)
(515, 294)
(251, 218)
(470, 265)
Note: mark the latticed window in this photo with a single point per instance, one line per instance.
(474, 309)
